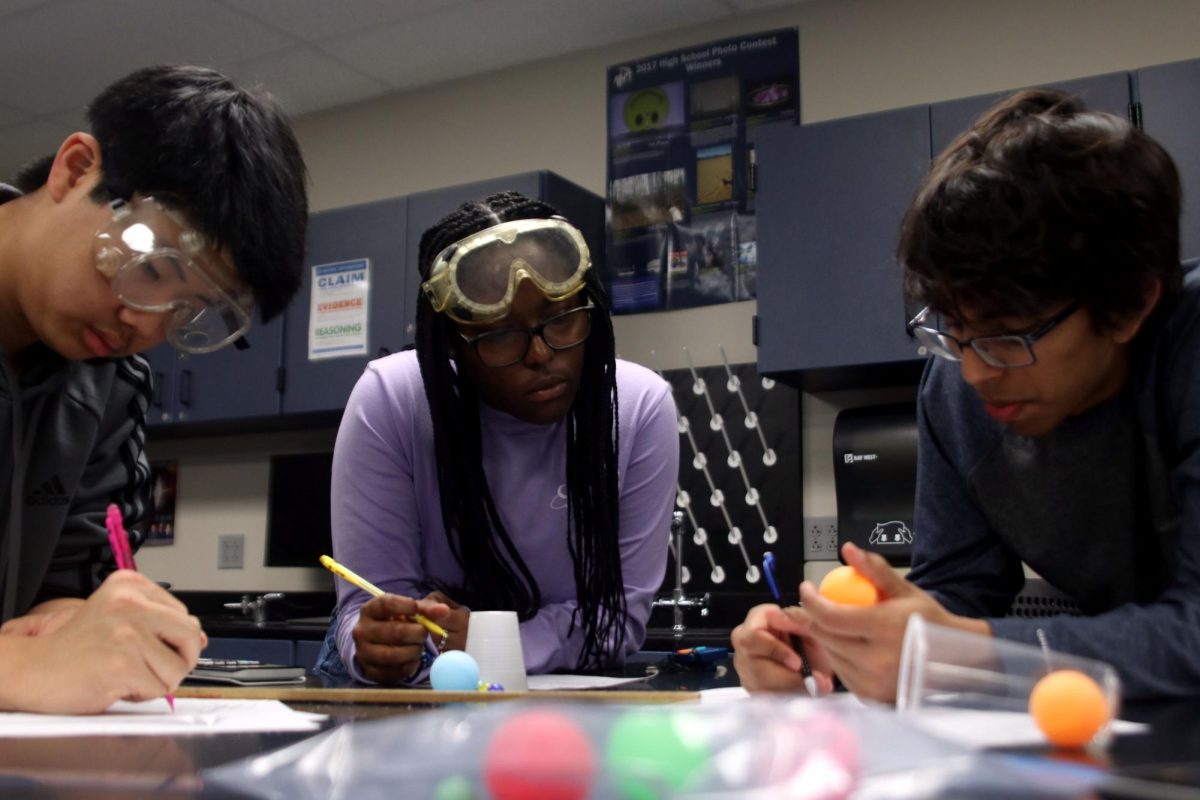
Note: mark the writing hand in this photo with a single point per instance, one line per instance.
(44, 618)
(388, 642)
(763, 655)
(131, 640)
(864, 644)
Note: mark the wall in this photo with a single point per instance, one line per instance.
(222, 489)
(856, 56)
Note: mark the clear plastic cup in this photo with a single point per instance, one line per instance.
(494, 641)
(944, 667)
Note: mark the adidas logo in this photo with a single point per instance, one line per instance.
(50, 493)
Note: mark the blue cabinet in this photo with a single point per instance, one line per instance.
(268, 651)
(230, 384)
(375, 232)
(1169, 96)
(306, 654)
(162, 408)
(947, 120)
(830, 199)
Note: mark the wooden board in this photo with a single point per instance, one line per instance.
(367, 695)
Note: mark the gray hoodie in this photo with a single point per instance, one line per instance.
(74, 432)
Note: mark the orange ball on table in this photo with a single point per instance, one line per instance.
(847, 586)
(1069, 707)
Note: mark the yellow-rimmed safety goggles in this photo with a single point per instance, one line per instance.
(474, 280)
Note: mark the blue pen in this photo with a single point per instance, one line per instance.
(810, 682)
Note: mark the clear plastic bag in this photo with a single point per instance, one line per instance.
(766, 747)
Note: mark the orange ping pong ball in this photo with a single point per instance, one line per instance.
(1069, 707)
(846, 585)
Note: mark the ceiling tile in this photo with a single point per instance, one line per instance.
(318, 19)
(136, 33)
(55, 55)
(463, 40)
(746, 6)
(619, 20)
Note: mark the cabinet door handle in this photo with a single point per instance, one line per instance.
(156, 396)
(185, 387)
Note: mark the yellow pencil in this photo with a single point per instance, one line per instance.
(364, 584)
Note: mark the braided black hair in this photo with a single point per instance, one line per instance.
(494, 574)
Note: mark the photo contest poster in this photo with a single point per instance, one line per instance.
(681, 168)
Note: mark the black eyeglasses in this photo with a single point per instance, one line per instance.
(1008, 350)
(561, 332)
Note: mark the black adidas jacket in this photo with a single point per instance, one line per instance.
(74, 434)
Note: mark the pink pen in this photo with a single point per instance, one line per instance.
(118, 540)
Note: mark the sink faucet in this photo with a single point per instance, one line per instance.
(255, 607)
(678, 601)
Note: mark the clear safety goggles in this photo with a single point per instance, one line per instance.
(474, 280)
(157, 262)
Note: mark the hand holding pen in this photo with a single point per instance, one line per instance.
(118, 540)
(130, 639)
(810, 683)
(388, 652)
(373, 590)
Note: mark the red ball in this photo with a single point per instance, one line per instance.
(539, 755)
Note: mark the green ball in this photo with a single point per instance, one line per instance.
(456, 787)
(652, 754)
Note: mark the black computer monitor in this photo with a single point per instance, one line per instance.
(298, 529)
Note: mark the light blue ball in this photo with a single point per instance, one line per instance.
(454, 671)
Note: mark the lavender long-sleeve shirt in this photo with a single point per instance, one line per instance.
(387, 519)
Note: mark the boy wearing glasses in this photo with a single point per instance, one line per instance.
(511, 463)
(181, 209)
(1059, 422)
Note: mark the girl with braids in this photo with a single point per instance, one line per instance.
(511, 462)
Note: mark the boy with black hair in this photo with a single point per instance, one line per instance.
(1059, 423)
(183, 208)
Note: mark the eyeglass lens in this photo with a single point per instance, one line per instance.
(562, 332)
(998, 351)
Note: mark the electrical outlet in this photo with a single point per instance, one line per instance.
(820, 539)
(231, 550)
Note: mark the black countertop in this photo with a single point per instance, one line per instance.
(305, 616)
(240, 628)
(297, 615)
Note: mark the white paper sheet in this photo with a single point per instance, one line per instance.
(724, 694)
(736, 694)
(968, 727)
(544, 683)
(994, 728)
(154, 718)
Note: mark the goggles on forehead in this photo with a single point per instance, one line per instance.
(474, 280)
(156, 261)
